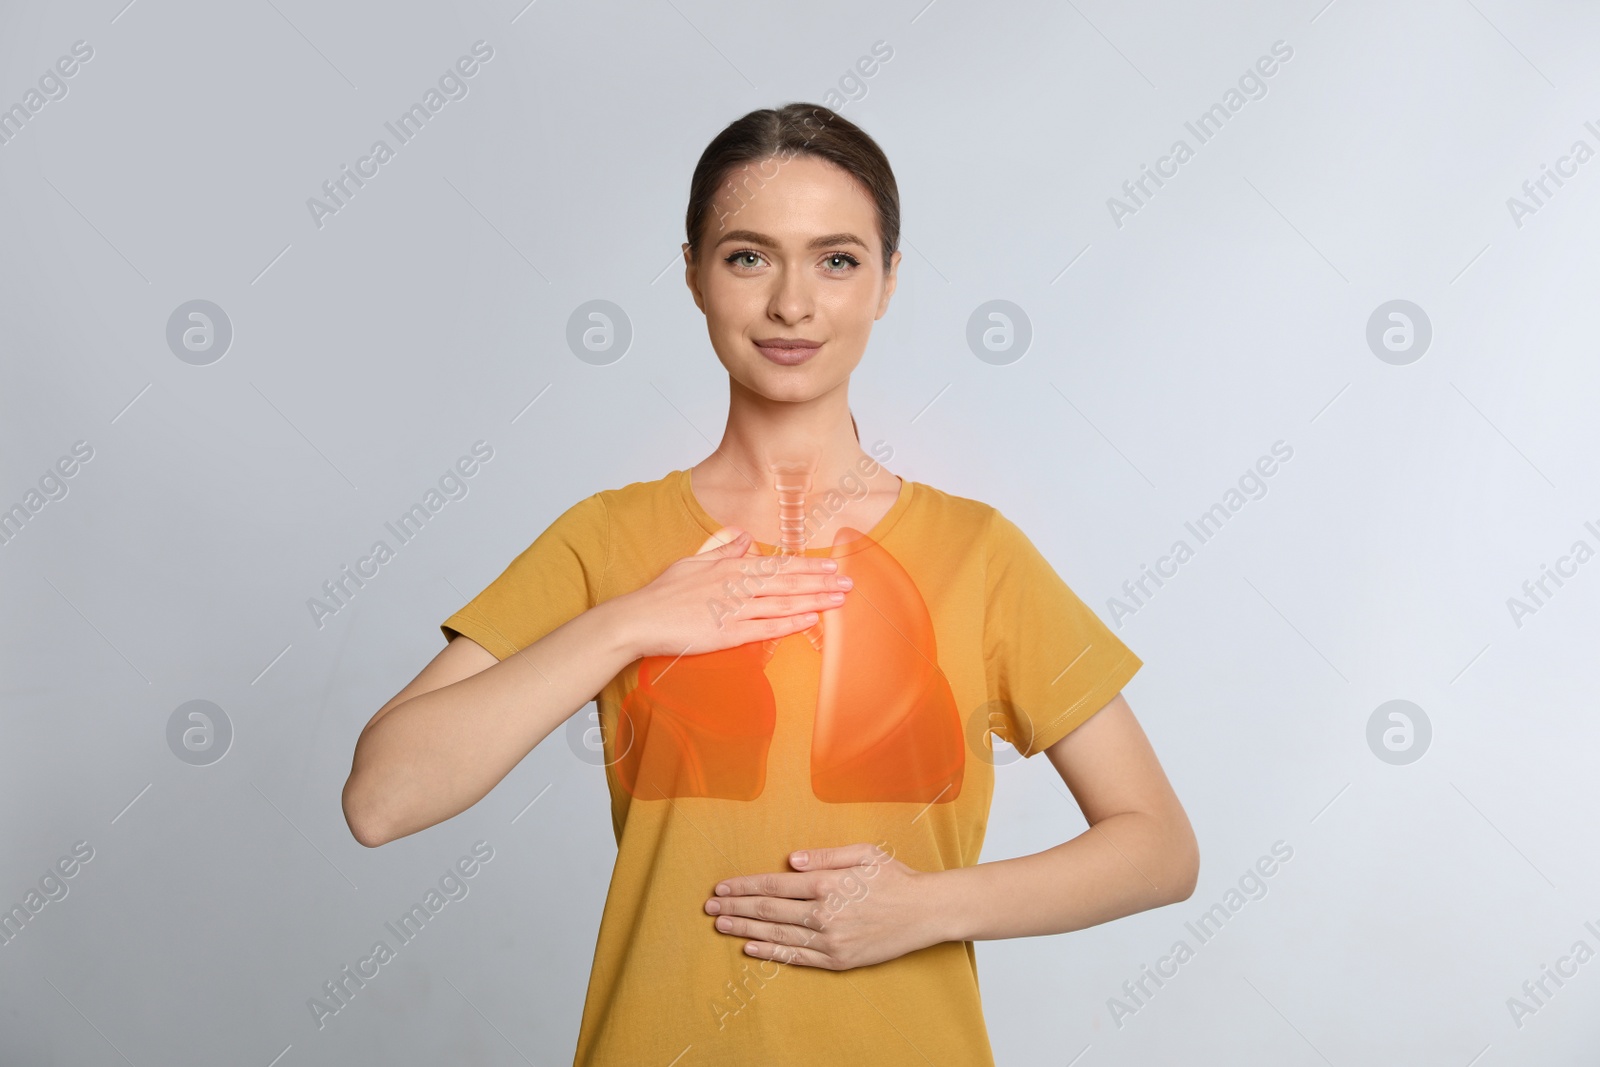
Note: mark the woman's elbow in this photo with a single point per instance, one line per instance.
(364, 823)
(1184, 867)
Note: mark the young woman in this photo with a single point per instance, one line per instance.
(798, 659)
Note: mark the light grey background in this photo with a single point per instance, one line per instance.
(1168, 354)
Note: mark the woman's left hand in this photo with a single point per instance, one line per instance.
(846, 907)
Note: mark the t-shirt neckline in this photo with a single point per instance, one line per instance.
(873, 536)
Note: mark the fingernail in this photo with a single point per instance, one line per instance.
(724, 923)
(714, 906)
(799, 859)
(722, 890)
(845, 581)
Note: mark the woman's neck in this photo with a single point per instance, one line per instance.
(796, 502)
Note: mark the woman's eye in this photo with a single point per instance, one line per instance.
(834, 262)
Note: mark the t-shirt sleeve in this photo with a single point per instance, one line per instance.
(1049, 661)
(551, 582)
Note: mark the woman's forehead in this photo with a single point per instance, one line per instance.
(793, 201)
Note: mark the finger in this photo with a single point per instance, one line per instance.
(769, 565)
(804, 582)
(805, 957)
(795, 886)
(750, 631)
(785, 934)
(773, 607)
(803, 913)
(835, 858)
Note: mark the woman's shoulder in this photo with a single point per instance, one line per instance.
(605, 507)
(643, 492)
(953, 513)
(646, 507)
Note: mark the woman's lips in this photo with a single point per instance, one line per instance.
(788, 355)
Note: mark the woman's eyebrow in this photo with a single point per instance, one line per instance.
(751, 237)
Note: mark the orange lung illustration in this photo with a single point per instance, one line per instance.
(698, 726)
(886, 724)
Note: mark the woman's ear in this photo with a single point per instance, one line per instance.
(888, 287)
(690, 278)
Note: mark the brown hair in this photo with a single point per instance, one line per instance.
(785, 132)
(795, 129)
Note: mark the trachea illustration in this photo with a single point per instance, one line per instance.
(793, 482)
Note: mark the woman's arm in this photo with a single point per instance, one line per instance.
(1139, 851)
(458, 728)
(856, 905)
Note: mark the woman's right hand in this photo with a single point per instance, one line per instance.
(726, 596)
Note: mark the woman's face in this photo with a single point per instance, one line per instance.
(791, 253)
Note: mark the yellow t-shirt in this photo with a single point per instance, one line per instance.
(726, 762)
